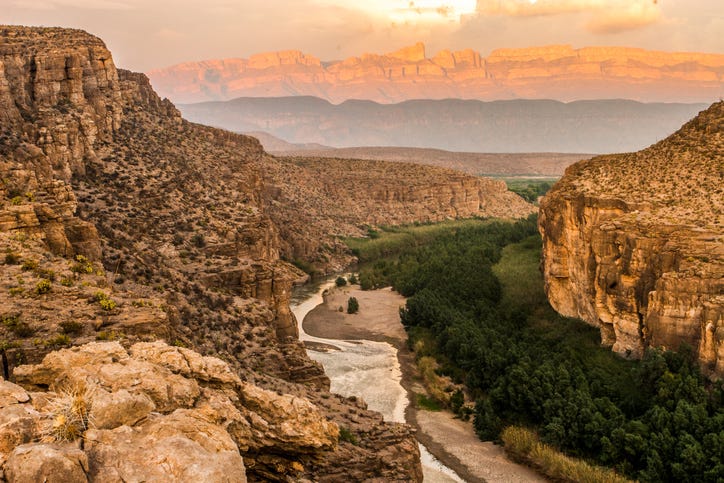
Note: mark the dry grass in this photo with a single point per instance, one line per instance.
(67, 415)
(524, 445)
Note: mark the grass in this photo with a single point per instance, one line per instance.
(390, 241)
(428, 403)
(523, 445)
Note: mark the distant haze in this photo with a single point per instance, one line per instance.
(454, 125)
(148, 34)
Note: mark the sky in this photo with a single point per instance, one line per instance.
(148, 34)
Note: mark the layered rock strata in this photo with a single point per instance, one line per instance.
(633, 243)
(551, 72)
(121, 221)
(315, 201)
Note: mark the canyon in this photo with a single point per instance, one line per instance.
(632, 244)
(123, 225)
(546, 72)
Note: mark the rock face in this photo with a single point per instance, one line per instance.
(120, 221)
(316, 200)
(632, 243)
(552, 72)
(192, 418)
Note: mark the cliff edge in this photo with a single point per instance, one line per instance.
(634, 243)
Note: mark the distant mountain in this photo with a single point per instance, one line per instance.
(551, 72)
(496, 164)
(602, 126)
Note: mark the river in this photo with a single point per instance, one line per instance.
(364, 368)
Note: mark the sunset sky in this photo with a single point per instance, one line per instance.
(146, 34)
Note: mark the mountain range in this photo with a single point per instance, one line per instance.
(550, 72)
(601, 126)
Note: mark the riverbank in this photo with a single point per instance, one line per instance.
(450, 440)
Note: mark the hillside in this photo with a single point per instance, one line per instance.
(121, 221)
(549, 72)
(520, 126)
(633, 243)
(315, 201)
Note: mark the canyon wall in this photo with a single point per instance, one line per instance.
(315, 201)
(121, 221)
(633, 244)
(552, 72)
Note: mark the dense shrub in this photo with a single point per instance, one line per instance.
(476, 294)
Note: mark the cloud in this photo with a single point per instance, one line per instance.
(61, 4)
(605, 16)
(633, 17)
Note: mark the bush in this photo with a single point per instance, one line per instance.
(71, 327)
(198, 240)
(11, 258)
(352, 305)
(29, 265)
(353, 279)
(340, 282)
(43, 286)
(81, 265)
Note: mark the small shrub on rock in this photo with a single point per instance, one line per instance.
(352, 305)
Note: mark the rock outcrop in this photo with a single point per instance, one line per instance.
(633, 243)
(552, 72)
(151, 413)
(120, 221)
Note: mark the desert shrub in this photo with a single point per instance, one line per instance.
(346, 435)
(43, 286)
(353, 279)
(340, 282)
(198, 240)
(29, 264)
(11, 258)
(71, 327)
(57, 341)
(352, 305)
(81, 265)
(105, 301)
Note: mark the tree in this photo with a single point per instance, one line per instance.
(340, 282)
(352, 305)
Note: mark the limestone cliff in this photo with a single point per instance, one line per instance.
(552, 72)
(314, 201)
(119, 220)
(633, 243)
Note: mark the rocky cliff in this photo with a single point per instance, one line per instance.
(552, 72)
(315, 201)
(121, 221)
(633, 243)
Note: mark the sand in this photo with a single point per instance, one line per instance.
(450, 440)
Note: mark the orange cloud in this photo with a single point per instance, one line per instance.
(605, 16)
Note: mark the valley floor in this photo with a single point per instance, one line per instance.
(450, 440)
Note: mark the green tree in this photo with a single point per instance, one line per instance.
(352, 305)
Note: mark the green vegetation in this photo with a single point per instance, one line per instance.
(352, 305)
(346, 435)
(44, 286)
(105, 301)
(530, 188)
(428, 403)
(81, 265)
(476, 304)
(340, 282)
